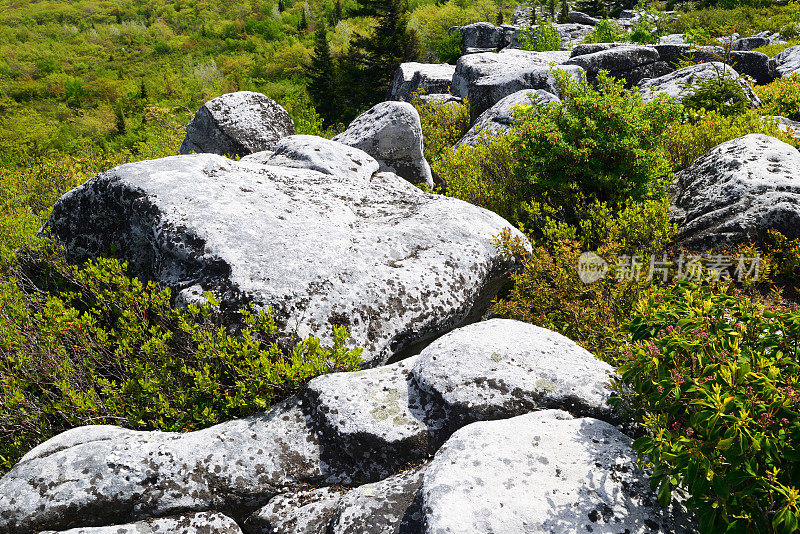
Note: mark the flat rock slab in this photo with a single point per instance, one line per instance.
(92, 477)
(500, 117)
(199, 523)
(502, 368)
(391, 132)
(546, 473)
(237, 124)
(393, 264)
(377, 416)
(421, 77)
(303, 512)
(736, 192)
(680, 84)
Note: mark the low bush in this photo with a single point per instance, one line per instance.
(781, 97)
(541, 38)
(715, 378)
(605, 31)
(775, 49)
(442, 126)
(722, 94)
(91, 345)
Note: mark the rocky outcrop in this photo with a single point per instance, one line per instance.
(489, 90)
(391, 133)
(578, 17)
(500, 117)
(420, 77)
(475, 66)
(631, 63)
(787, 62)
(788, 126)
(199, 523)
(736, 192)
(547, 472)
(440, 99)
(750, 43)
(342, 431)
(682, 83)
(753, 64)
(481, 35)
(237, 124)
(315, 233)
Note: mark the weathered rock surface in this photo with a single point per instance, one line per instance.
(502, 368)
(303, 512)
(789, 126)
(750, 43)
(590, 48)
(500, 117)
(480, 35)
(395, 265)
(631, 63)
(679, 84)
(391, 133)
(378, 417)
(237, 124)
(472, 67)
(108, 475)
(438, 98)
(199, 523)
(430, 78)
(754, 64)
(737, 191)
(489, 90)
(580, 17)
(787, 62)
(546, 473)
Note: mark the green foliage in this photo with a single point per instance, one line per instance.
(323, 78)
(721, 94)
(687, 140)
(648, 28)
(90, 344)
(540, 38)
(448, 49)
(781, 97)
(442, 126)
(743, 19)
(714, 376)
(605, 31)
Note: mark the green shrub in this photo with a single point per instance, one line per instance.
(448, 48)
(442, 126)
(605, 31)
(541, 38)
(722, 94)
(714, 377)
(688, 140)
(90, 345)
(775, 49)
(781, 97)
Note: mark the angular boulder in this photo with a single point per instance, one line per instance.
(787, 62)
(237, 124)
(480, 35)
(631, 63)
(302, 512)
(753, 64)
(489, 90)
(345, 246)
(788, 126)
(500, 117)
(412, 77)
(579, 17)
(737, 191)
(472, 67)
(750, 43)
(547, 472)
(391, 133)
(501, 368)
(680, 84)
(438, 98)
(199, 523)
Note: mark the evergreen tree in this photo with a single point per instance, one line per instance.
(337, 11)
(563, 16)
(373, 58)
(120, 120)
(499, 18)
(551, 7)
(303, 21)
(281, 6)
(322, 78)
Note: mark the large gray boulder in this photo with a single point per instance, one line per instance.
(750, 43)
(489, 90)
(681, 83)
(580, 17)
(199, 523)
(95, 476)
(391, 133)
(546, 473)
(413, 77)
(342, 246)
(500, 117)
(481, 35)
(474, 66)
(301, 512)
(631, 63)
(787, 62)
(753, 64)
(502, 368)
(736, 192)
(237, 124)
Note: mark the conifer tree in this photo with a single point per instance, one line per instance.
(499, 18)
(551, 7)
(303, 21)
(563, 16)
(322, 78)
(337, 11)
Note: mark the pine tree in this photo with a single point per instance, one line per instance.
(499, 18)
(142, 90)
(373, 58)
(322, 84)
(303, 21)
(281, 6)
(551, 7)
(120, 120)
(563, 16)
(337, 11)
